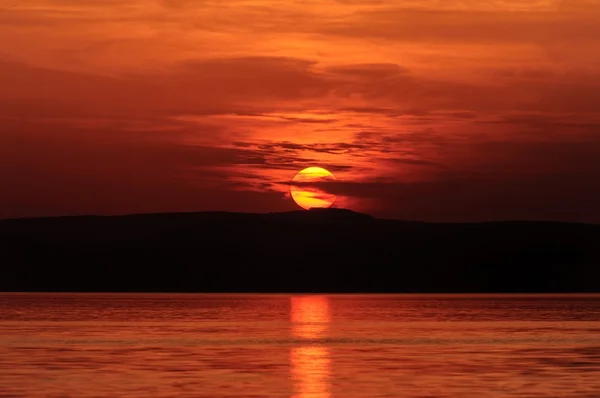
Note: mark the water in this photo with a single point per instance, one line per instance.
(342, 346)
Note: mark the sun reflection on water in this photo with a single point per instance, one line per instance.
(310, 362)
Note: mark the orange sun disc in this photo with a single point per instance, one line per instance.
(307, 196)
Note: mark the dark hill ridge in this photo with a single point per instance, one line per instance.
(332, 250)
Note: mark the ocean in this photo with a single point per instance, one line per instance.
(301, 346)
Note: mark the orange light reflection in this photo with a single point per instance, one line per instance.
(310, 363)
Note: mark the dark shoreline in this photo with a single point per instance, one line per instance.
(336, 251)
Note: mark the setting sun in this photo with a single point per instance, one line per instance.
(310, 196)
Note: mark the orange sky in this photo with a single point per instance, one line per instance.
(437, 110)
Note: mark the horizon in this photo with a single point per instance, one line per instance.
(300, 212)
(453, 111)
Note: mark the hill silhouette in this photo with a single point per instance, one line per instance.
(332, 250)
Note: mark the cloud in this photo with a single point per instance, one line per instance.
(487, 181)
(381, 71)
(292, 156)
(265, 84)
(542, 197)
(442, 97)
(210, 86)
(86, 175)
(277, 77)
(469, 26)
(579, 6)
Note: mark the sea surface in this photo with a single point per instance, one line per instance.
(302, 346)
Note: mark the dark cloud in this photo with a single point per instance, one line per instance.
(332, 148)
(275, 77)
(462, 115)
(368, 71)
(87, 155)
(310, 120)
(50, 174)
(538, 157)
(412, 161)
(292, 156)
(257, 85)
(230, 83)
(542, 197)
(488, 180)
(460, 25)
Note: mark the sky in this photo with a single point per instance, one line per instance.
(433, 110)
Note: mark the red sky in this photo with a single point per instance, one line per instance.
(435, 110)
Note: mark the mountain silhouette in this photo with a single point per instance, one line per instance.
(321, 250)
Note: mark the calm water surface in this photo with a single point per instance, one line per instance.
(302, 346)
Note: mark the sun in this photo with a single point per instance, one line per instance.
(309, 197)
